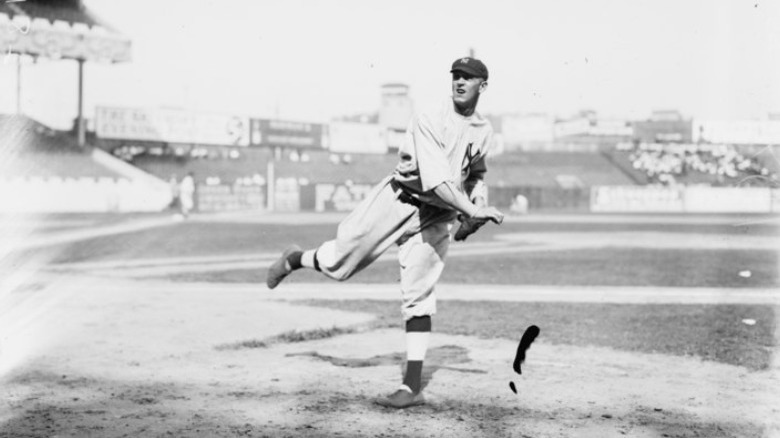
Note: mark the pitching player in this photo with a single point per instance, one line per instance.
(439, 178)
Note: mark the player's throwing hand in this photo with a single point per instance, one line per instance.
(489, 214)
(469, 226)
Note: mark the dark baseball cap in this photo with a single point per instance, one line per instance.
(472, 66)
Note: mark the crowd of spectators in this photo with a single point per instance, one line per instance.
(129, 152)
(670, 164)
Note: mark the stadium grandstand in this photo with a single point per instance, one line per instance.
(555, 169)
(31, 149)
(133, 158)
(695, 164)
(44, 170)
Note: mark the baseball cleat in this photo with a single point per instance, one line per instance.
(280, 268)
(403, 398)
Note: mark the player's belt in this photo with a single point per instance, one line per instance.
(403, 196)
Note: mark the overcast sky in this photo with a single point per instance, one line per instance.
(313, 60)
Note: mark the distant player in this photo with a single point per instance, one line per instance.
(187, 194)
(439, 178)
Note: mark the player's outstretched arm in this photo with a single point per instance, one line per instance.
(460, 202)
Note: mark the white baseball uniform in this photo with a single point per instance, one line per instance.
(186, 194)
(402, 209)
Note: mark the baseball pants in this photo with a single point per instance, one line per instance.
(381, 220)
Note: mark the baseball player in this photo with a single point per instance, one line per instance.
(439, 178)
(187, 194)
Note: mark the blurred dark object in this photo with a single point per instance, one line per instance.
(72, 11)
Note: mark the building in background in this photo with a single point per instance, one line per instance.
(395, 112)
(525, 132)
(396, 108)
(666, 126)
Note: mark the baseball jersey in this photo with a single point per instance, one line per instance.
(440, 146)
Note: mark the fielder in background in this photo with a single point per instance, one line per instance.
(187, 194)
(438, 179)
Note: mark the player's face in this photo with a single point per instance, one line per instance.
(466, 88)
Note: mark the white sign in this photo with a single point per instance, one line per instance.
(775, 195)
(759, 132)
(650, 199)
(171, 126)
(728, 200)
(635, 199)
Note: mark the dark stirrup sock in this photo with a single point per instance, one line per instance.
(413, 376)
(294, 260)
(418, 329)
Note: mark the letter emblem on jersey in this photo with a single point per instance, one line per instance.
(468, 157)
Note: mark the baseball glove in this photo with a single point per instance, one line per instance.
(468, 227)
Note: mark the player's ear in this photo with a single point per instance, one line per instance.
(483, 86)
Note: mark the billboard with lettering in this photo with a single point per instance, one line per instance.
(171, 126)
(663, 131)
(282, 133)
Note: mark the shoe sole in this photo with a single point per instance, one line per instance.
(387, 403)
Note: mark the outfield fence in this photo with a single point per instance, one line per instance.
(694, 199)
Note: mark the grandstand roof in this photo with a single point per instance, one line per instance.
(71, 11)
(59, 29)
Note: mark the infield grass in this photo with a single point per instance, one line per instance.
(605, 267)
(601, 266)
(711, 332)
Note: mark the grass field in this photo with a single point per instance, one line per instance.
(606, 266)
(170, 331)
(712, 332)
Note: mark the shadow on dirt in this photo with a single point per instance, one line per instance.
(439, 358)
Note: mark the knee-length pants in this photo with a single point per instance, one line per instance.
(380, 221)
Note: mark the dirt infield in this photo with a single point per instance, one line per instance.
(87, 352)
(114, 360)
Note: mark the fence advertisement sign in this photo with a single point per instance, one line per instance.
(280, 133)
(171, 126)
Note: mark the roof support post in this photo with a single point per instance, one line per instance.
(19, 83)
(80, 120)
